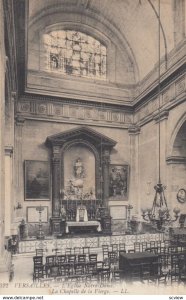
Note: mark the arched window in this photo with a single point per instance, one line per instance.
(75, 53)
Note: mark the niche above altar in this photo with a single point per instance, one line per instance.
(79, 173)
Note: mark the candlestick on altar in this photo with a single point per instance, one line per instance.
(40, 235)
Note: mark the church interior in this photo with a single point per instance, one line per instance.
(93, 141)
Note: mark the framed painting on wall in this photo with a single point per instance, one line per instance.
(36, 180)
(118, 182)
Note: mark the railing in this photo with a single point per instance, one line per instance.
(71, 208)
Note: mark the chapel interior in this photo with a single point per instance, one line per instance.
(93, 141)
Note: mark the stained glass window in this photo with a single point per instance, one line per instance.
(75, 53)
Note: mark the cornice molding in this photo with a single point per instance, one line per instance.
(176, 160)
(9, 150)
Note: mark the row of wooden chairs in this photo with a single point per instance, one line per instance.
(53, 260)
(68, 269)
(103, 276)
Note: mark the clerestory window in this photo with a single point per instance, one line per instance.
(75, 53)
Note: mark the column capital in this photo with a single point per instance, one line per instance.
(56, 153)
(134, 130)
(106, 156)
(14, 96)
(8, 150)
(19, 121)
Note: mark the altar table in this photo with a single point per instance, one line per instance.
(81, 225)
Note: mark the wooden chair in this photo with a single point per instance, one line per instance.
(86, 250)
(122, 247)
(79, 269)
(157, 274)
(92, 278)
(82, 258)
(143, 246)
(65, 270)
(105, 247)
(39, 252)
(137, 246)
(131, 251)
(112, 257)
(68, 251)
(71, 258)
(99, 266)
(61, 259)
(39, 273)
(93, 257)
(105, 275)
(152, 244)
(116, 276)
(38, 261)
(115, 247)
(166, 243)
(78, 250)
(51, 260)
(90, 268)
(105, 254)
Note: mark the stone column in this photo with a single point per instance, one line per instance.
(18, 163)
(55, 181)
(8, 189)
(105, 171)
(56, 220)
(5, 258)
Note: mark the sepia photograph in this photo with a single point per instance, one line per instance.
(92, 148)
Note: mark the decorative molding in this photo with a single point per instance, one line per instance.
(171, 96)
(134, 130)
(162, 116)
(180, 85)
(176, 160)
(59, 111)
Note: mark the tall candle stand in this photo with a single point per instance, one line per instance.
(40, 235)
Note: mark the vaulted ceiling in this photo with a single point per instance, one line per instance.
(134, 20)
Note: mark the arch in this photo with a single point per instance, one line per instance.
(178, 126)
(92, 20)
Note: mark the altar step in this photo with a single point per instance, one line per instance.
(29, 246)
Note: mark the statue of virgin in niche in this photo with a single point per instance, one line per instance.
(79, 169)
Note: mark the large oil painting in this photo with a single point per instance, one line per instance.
(36, 180)
(118, 182)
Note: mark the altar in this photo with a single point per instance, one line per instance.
(80, 181)
(82, 226)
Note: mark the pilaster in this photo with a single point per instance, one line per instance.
(105, 170)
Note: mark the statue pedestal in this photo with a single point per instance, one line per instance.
(55, 225)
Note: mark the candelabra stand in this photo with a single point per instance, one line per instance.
(40, 235)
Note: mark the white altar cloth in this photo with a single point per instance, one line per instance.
(83, 224)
